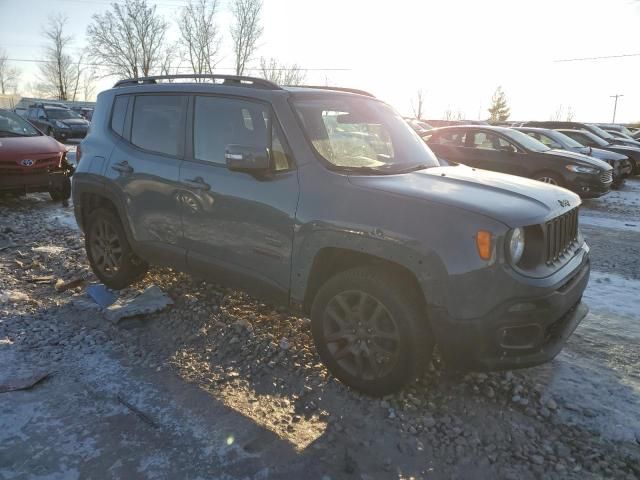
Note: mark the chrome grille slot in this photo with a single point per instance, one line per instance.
(607, 176)
(561, 233)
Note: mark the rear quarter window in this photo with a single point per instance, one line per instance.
(119, 113)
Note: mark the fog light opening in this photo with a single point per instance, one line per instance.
(521, 337)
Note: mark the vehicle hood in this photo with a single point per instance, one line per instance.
(625, 149)
(14, 148)
(626, 143)
(607, 155)
(578, 159)
(75, 122)
(514, 201)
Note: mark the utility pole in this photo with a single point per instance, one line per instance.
(615, 106)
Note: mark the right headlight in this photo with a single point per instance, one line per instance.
(515, 245)
(59, 124)
(581, 169)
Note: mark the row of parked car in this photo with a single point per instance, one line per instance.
(58, 120)
(586, 158)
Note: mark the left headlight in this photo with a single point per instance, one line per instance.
(515, 245)
(59, 124)
(580, 169)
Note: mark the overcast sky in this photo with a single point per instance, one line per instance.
(457, 51)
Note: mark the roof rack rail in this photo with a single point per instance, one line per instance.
(227, 80)
(338, 89)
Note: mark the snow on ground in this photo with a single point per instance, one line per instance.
(592, 220)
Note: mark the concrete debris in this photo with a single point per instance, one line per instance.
(23, 383)
(153, 299)
(102, 295)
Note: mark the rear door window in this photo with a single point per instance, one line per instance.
(158, 123)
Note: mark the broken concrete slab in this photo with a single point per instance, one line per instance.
(102, 295)
(23, 383)
(149, 301)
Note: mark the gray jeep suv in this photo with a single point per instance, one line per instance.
(326, 199)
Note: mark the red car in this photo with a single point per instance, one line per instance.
(30, 161)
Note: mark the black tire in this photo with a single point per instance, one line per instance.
(63, 193)
(550, 178)
(118, 266)
(392, 308)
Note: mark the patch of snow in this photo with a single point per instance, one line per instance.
(592, 220)
(595, 377)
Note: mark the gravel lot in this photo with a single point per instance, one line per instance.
(223, 386)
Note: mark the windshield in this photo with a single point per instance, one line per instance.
(526, 141)
(61, 114)
(565, 140)
(595, 138)
(12, 125)
(600, 132)
(362, 134)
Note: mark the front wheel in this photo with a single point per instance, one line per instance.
(371, 331)
(550, 178)
(111, 257)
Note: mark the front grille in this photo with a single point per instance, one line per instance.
(561, 233)
(42, 165)
(607, 176)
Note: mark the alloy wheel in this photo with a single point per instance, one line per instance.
(549, 180)
(106, 248)
(361, 335)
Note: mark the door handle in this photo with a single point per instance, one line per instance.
(198, 183)
(122, 167)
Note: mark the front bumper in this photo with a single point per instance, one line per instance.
(65, 134)
(519, 333)
(31, 183)
(589, 186)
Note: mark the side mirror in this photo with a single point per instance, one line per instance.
(247, 158)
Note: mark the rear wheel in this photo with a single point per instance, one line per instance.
(371, 331)
(550, 178)
(110, 255)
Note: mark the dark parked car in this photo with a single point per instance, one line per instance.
(31, 161)
(557, 140)
(84, 112)
(589, 127)
(590, 140)
(328, 200)
(60, 123)
(509, 151)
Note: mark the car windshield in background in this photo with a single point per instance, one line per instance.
(362, 134)
(601, 132)
(565, 140)
(526, 141)
(61, 114)
(12, 125)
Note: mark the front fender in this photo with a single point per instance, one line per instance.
(312, 238)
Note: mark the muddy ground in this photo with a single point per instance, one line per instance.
(223, 386)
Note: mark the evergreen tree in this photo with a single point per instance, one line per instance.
(499, 110)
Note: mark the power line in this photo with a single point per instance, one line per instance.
(597, 58)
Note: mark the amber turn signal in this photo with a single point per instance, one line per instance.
(483, 242)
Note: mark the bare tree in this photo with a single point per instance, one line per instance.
(562, 114)
(280, 73)
(8, 74)
(89, 85)
(199, 35)
(57, 71)
(417, 106)
(245, 31)
(128, 40)
(449, 114)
